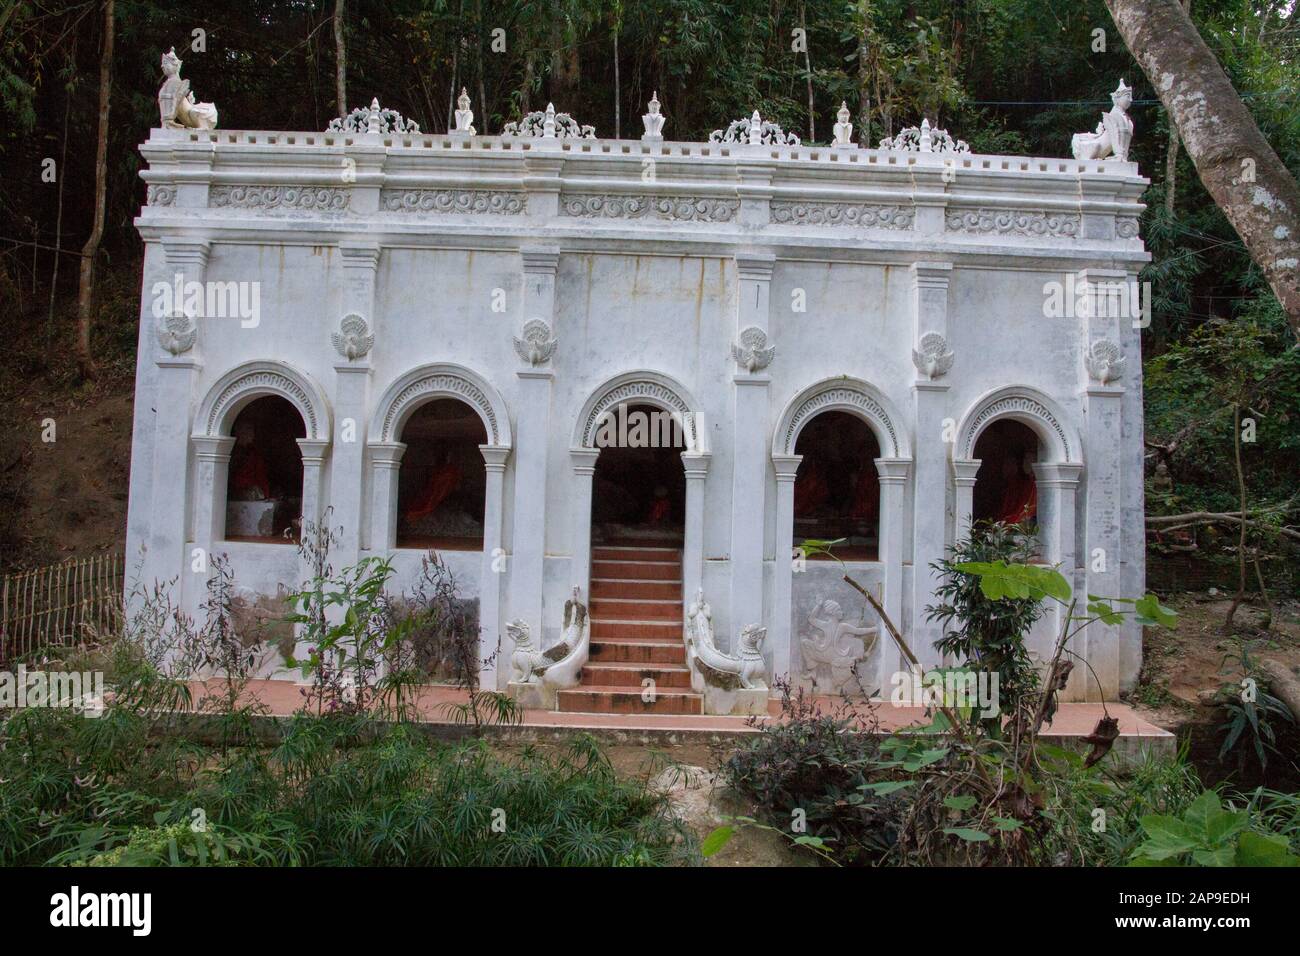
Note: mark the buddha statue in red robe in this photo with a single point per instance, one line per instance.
(249, 478)
(660, 509)
(810, 489)
(442, 481)
(1019, 501)
(866, 495)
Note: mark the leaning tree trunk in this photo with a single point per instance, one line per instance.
(340, 61)
(1239, 169)
(90, 251)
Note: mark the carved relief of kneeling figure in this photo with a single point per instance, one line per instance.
(830, 653)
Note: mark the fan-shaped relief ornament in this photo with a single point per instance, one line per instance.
(755, 131)
(373, 119)
(752, 353)
(177, 332)
(548, 125)
(923, 139)
(932, 357)
(535, 344)
(354, 339)
(1104, 361)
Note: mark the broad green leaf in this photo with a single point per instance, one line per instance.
(1219, 856)
(967, 834)
(716, 840)
(1264, 849)
(886, 787)
(1150, 612)
(959, 803)
(1006, 823)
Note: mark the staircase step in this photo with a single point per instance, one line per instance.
(639, 570)
(638, 652)
(634, 675)
(623, 700)
(636, 553)
(606, 629)
(635, 588)
(634, 609)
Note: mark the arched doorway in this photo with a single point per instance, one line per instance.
(837, 488)
(639, 486)
(264, 484)
(442, 480)
(1005, 486)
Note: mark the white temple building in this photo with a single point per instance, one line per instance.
(468, 343)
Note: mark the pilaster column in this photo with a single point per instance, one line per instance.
(385, 460)
(1058, 484)
(493, 566)
(532, 436)
(173, 402)
(1104, 296)
(930, 498)
(212, 469)
(313, 471)
(584, 467)
(964, 471)
(780, 634)
(749, 428)
(696, 467)
(893, 486)
(1100, 555)
(347, 467)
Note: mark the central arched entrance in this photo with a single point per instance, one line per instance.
(638, 493)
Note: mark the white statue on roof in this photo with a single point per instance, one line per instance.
(1114, 132)
(176, 106)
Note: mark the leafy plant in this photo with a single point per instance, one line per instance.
(1207, 834)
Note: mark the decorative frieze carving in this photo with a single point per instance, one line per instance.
(454, 201)
(861, 215)
(373, 119)
(260, 382)
(548, 125)
(535, 345)
(647, 389)
(751, 352)
(923, 139)
(1013, 222)
(932, 357)
(442, 383)
(177, 332)
(288, 198)
(1013, 406)
(160, 194)
(354, 339)
(1114, 133)
(841, 396)
(1104, 361)
(1126, 227)
(755, 131)
(671, 208)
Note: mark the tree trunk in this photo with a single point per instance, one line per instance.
(482, 85)
(864, 75)
(618, 111)
(1282, 684)
(1241, 540)
(807, 65)
(1171, 152)
(90, 251)
(1237, 166)
(58, 220)
(340, 61)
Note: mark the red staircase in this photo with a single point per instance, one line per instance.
(636, 633)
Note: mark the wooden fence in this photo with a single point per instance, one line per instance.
(54, 605)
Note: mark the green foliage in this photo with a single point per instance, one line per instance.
(1207, 834)
(336, 790)
(989, 597)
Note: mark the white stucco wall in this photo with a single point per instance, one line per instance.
(663, 293)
